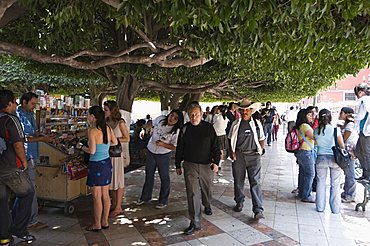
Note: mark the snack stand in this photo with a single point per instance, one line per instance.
(62, 170)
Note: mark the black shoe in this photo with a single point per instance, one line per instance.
(258, 216)
(191, 229)
(208, 210)
(308, 200)
(27, 238)
(238, 207)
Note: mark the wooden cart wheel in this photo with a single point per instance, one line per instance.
(69, 209)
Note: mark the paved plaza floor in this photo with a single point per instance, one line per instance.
(288, 221)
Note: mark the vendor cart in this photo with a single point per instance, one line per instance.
(60, 179)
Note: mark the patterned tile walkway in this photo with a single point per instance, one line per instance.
(288, 221)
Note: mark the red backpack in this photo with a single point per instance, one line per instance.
(292, 143)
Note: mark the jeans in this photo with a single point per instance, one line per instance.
(31, 170)
(251, 164)
(18, 182)
(323, 164)
(350, 182)
(267, 129)
(162, 161)
(306, 161)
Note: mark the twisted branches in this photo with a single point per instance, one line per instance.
(169, 58)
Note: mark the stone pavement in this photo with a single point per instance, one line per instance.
(288, 221)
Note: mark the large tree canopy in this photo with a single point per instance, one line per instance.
(281, 50)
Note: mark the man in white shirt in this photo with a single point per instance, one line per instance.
(290, 117)
(362, 122)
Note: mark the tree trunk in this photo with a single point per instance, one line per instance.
(188, 99)
(101, 98)
(94, 95)
(127, 89)
(174, 101)
(164, 98)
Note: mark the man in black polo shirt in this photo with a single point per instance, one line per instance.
(267, 116)
(12, 174)
(198, 151)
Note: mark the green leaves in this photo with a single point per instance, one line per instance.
(297, 46)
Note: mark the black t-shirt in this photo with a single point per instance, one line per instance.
(268, 114)
(197, 144)
(11, 131)
(231, 116)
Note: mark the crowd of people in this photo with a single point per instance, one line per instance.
(201, 142)
(316, 158)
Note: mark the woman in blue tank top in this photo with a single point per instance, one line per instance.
(100, 167)
(325, 163)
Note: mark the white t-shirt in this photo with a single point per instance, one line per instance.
(163, 133)
(220, 124)
(291, 115)
(209, 118)
(352, 139)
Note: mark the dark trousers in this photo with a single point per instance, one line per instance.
(197, 177)
(267, 129)
(18, 182)
(362, 152)
(162, 161)
(251, 164)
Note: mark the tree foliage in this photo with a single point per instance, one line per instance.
(277, 50)
(23, 75)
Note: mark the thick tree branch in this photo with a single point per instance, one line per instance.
(179, 88)
(108, 53)
(128, 59)
(4, 5)
(142, 35)
(109, 75)
(177, 62)
(114, 3)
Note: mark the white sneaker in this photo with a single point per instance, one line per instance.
(139, 202)
(160, 206)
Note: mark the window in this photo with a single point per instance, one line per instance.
(350, 96)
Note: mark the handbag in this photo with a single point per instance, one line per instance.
(341, 156)
(115, 150)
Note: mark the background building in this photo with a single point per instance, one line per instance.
(340, 94)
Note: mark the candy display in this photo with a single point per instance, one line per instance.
(76, 167)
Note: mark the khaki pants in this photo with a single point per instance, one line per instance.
(197, 177)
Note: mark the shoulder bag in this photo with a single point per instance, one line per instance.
(115, 150)
(341, 156)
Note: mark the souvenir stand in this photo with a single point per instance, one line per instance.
(61, 171)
